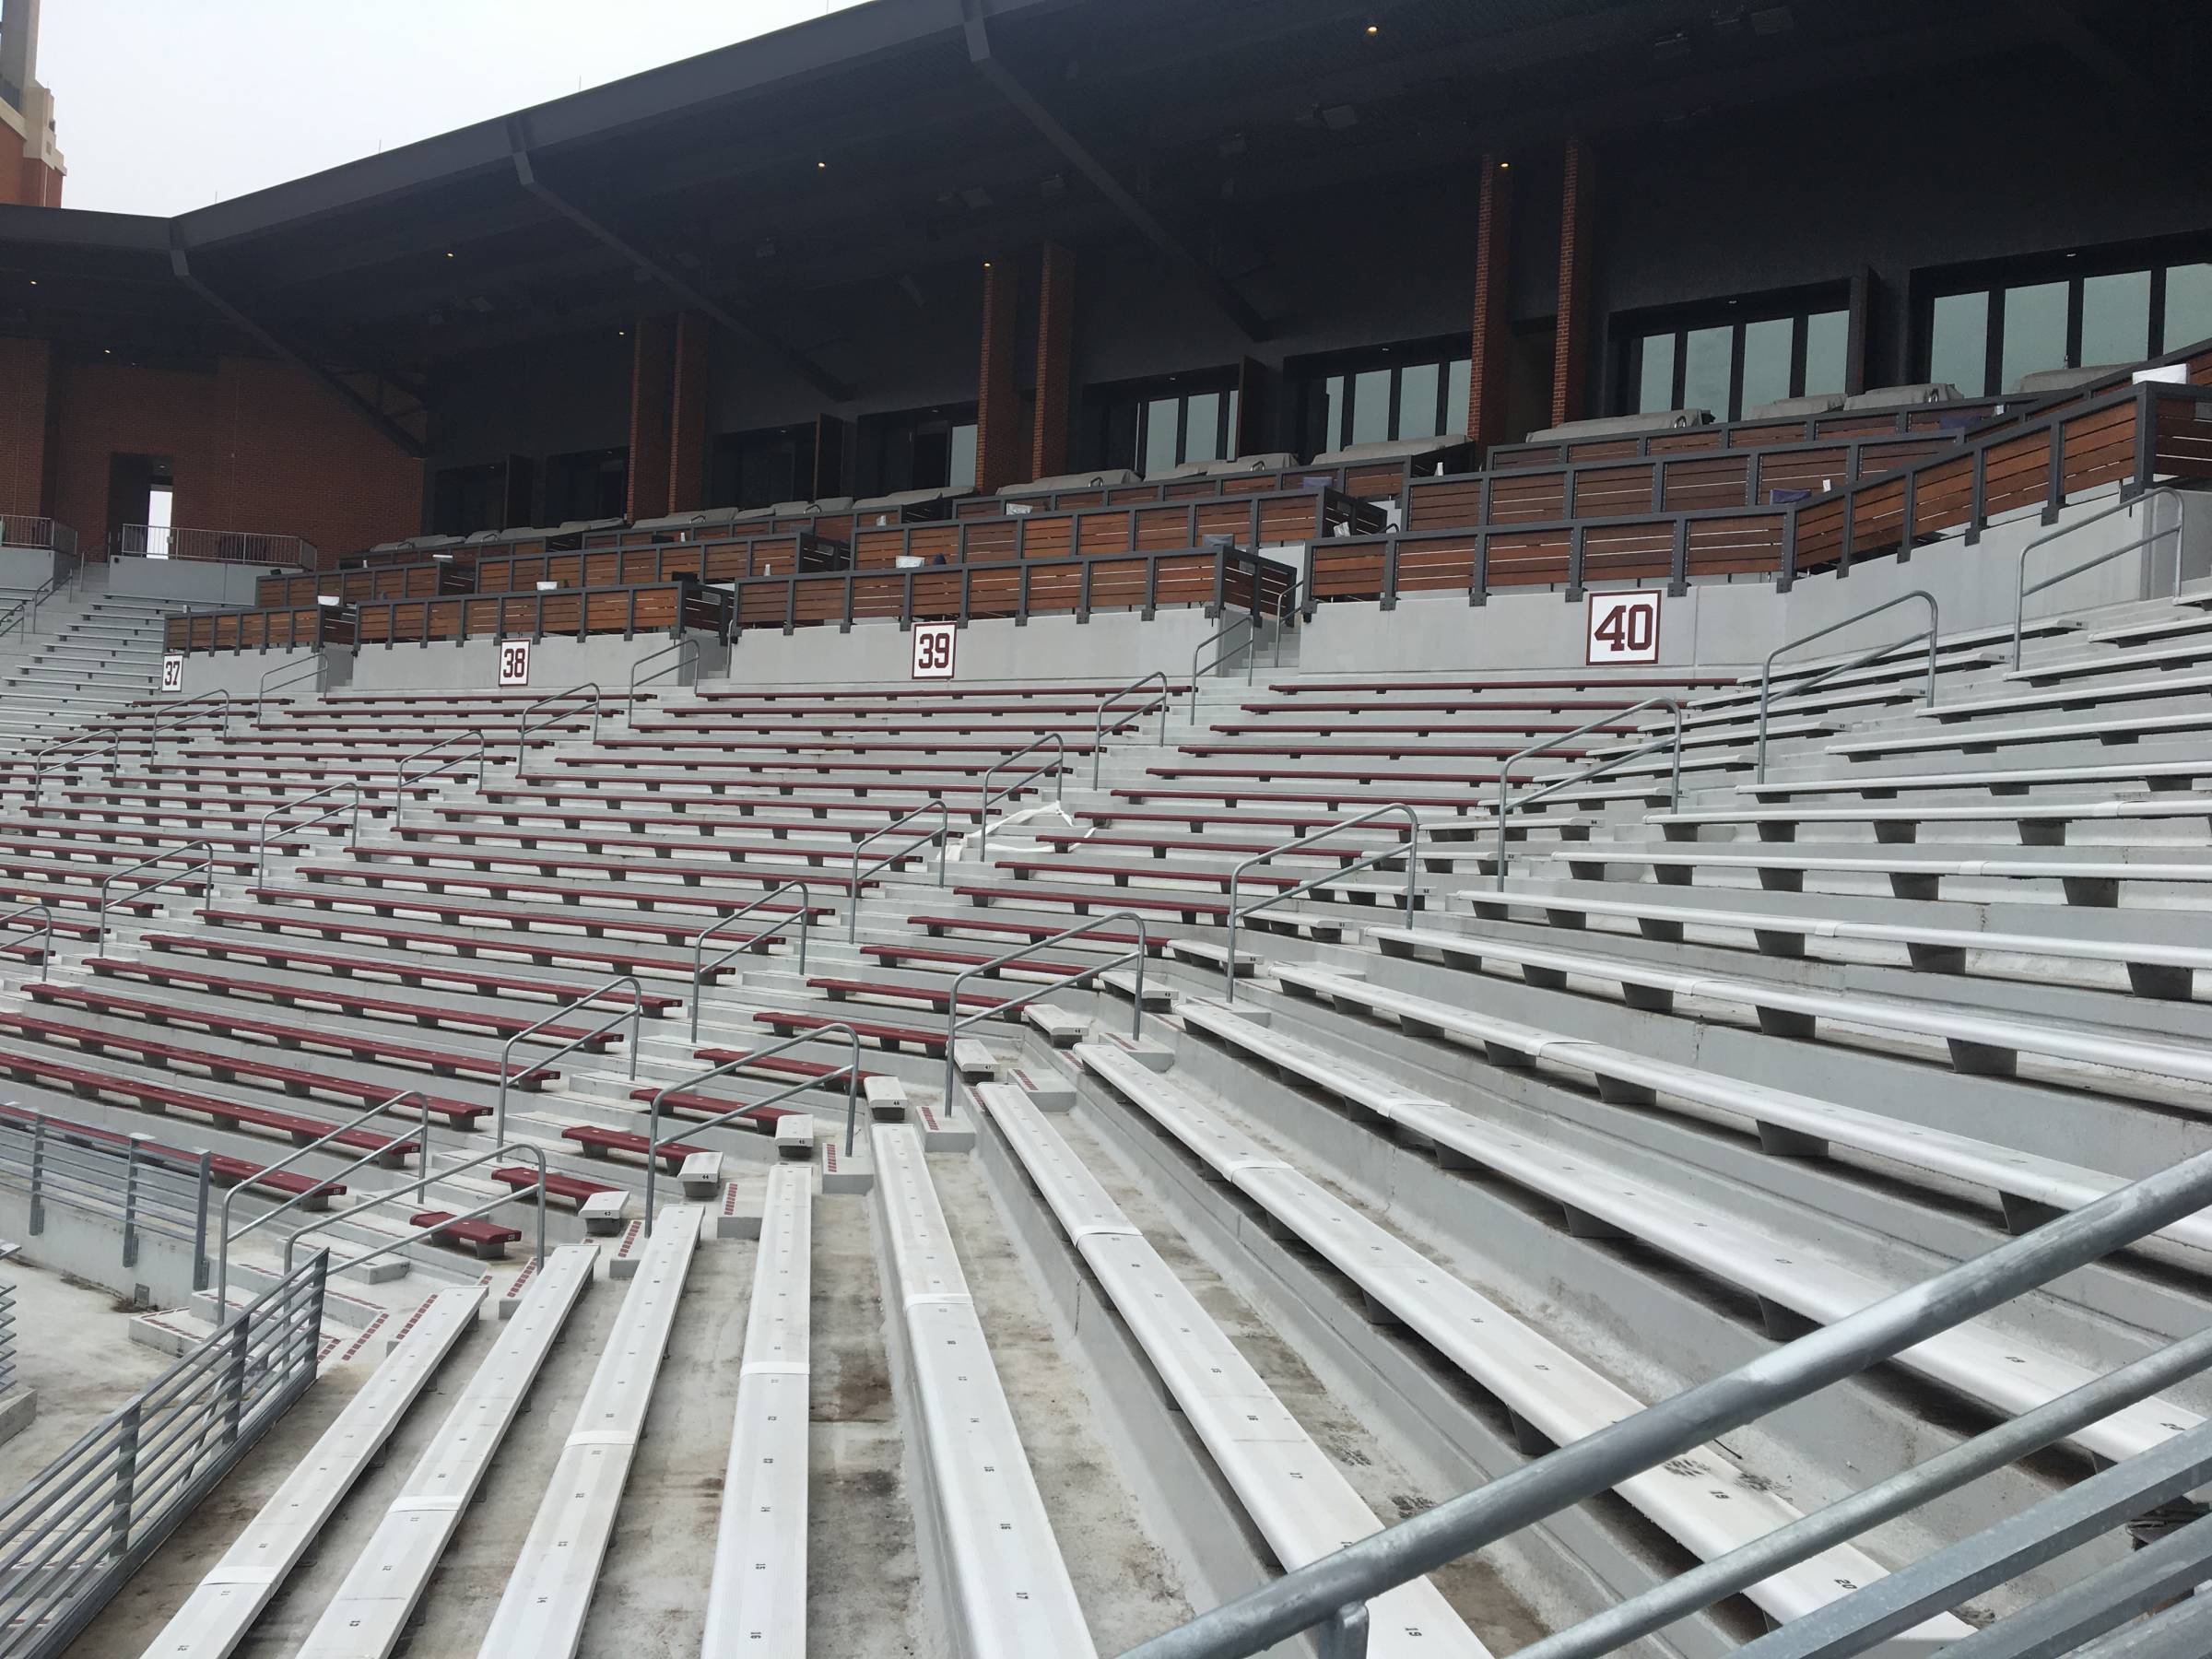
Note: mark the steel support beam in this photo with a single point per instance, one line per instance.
(525, 172)
(388, 429)
(1009, 86)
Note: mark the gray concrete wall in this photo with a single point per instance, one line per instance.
(26, 567)
(1108, 648)
(201, 581)
(556, 663)
(243, 674)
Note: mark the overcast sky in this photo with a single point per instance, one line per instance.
(166, 105)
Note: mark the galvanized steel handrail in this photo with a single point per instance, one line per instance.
(177, 713)
(850, 1071)
(1305, 1598)
(330, 814)
(75, 756)
(318, 664)
(224, 1233)
(205, 865)
(2180, 510)
(429, 1228)
(629, 712)
(942, 836)
(1285, 609)
(401, 780)
(45, 911)
(1097, 730)
(1766, 675)
(1057, 768)
(634, 1013)
(804, 915)
(521, 742)
(1554, 786)
(955, 1023)
(1412, 845)
(1251, 649)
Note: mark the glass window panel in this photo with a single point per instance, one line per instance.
(1959, 343)
(1417, 400)
(1371, 406)
(2115, 318)
(1707, 356)
(1827, 343)
(1766, 361)
(1159, 434)
(1201, 428)
(1655, 388)
(1229, 450)
(2035, 330)
(1455, 397)
(963, 456)
(2188, 305)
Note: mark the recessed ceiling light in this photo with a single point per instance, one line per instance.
(821, 167)
(449, 253)
(1374, 29)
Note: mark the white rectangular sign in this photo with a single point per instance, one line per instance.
(1624, 628)
(933, 650)
(515, 662)
(172, 672)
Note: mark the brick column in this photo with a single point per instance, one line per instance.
(25, 380)
(687, 415)
(1493, 284)
(999, 452)
(1055, 364)
(651, 379)
(1570, 351)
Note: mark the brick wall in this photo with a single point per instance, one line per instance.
(255, 445)
(1055, 354)
(1000, 452)
(1493, 283)
(24, 384)
(1571, 354)
(687, 415)
(651, 379)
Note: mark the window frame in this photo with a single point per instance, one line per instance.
(1630, 331)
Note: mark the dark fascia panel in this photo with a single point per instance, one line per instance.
(75, 230)
(804, 51)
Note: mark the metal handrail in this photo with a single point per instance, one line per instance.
(261, 824)
(1329, 1588)
(207, 896)
(1766, 675)
(1056, 767)
(422, 1165)
(1097, 730)
(1552, 786)
(177, 713)
(45, 911)
(804, 915)
(955, 1024)
(634, 1013)
(629, 711)
(401, 780)
(75, 756)
(2180, 510)
(1285, 608)
(943, 837)
(431, 1229)
(521, 742)
(319, 662)
(1251, 649)
(850, 1071)
(1412, 845)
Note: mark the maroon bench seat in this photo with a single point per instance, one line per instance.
(1269, 728)
(1377, 751)
(598, 1142)
(442, 1061)
(543, 948)
(930, 996)
(688, 722)
(894, 1038)
(868, 780)
(158, 1098)
(820, 1071)
(87, 899)
(374, 884)
(1015, 695)
(575, 824)
(1026, 870)
(567, 806)
(654, 1005)
(1303, 709)
(523, 1178)
(488, 1241)
(1335, 799)
(930, 956)
(784, 744)
(1189, 907)
(221, 1166)
(1383, 773)
(224, 1069)
(67, 838)
(1006, 928)
(80, 860)
(662, 851)
(1160, 846)
(1641, 683)
(692, 1103)
(730, 867)
(1302, 822)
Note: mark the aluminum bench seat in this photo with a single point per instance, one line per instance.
(1987, 738)
(1190, 907)
(218, 1614)
(756, 1600)
(2159, 653)
(370, 1611)
(2154, 969)
(1979, 1043)
(1297, 1499)
(549, 1590)
(1792, 1284)
(1704, 1499)
(2163, 772)
(1637, 686)
(1008, 1589)
(304, 1036)
(2042, 822)
(2088, 880)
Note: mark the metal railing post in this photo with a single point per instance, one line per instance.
(2022, 587)
(1766, 674)
(38, 1174)
(1505, 773)
(955, 1023)
(1097, 730)
(126, 1480)
(1345, 1636)
(199, 1219)
(130, 1198)
(1057, 767)
(1300, 843)
(702, 968)
(943, 838)
(634, 1013)
(234, 1373)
